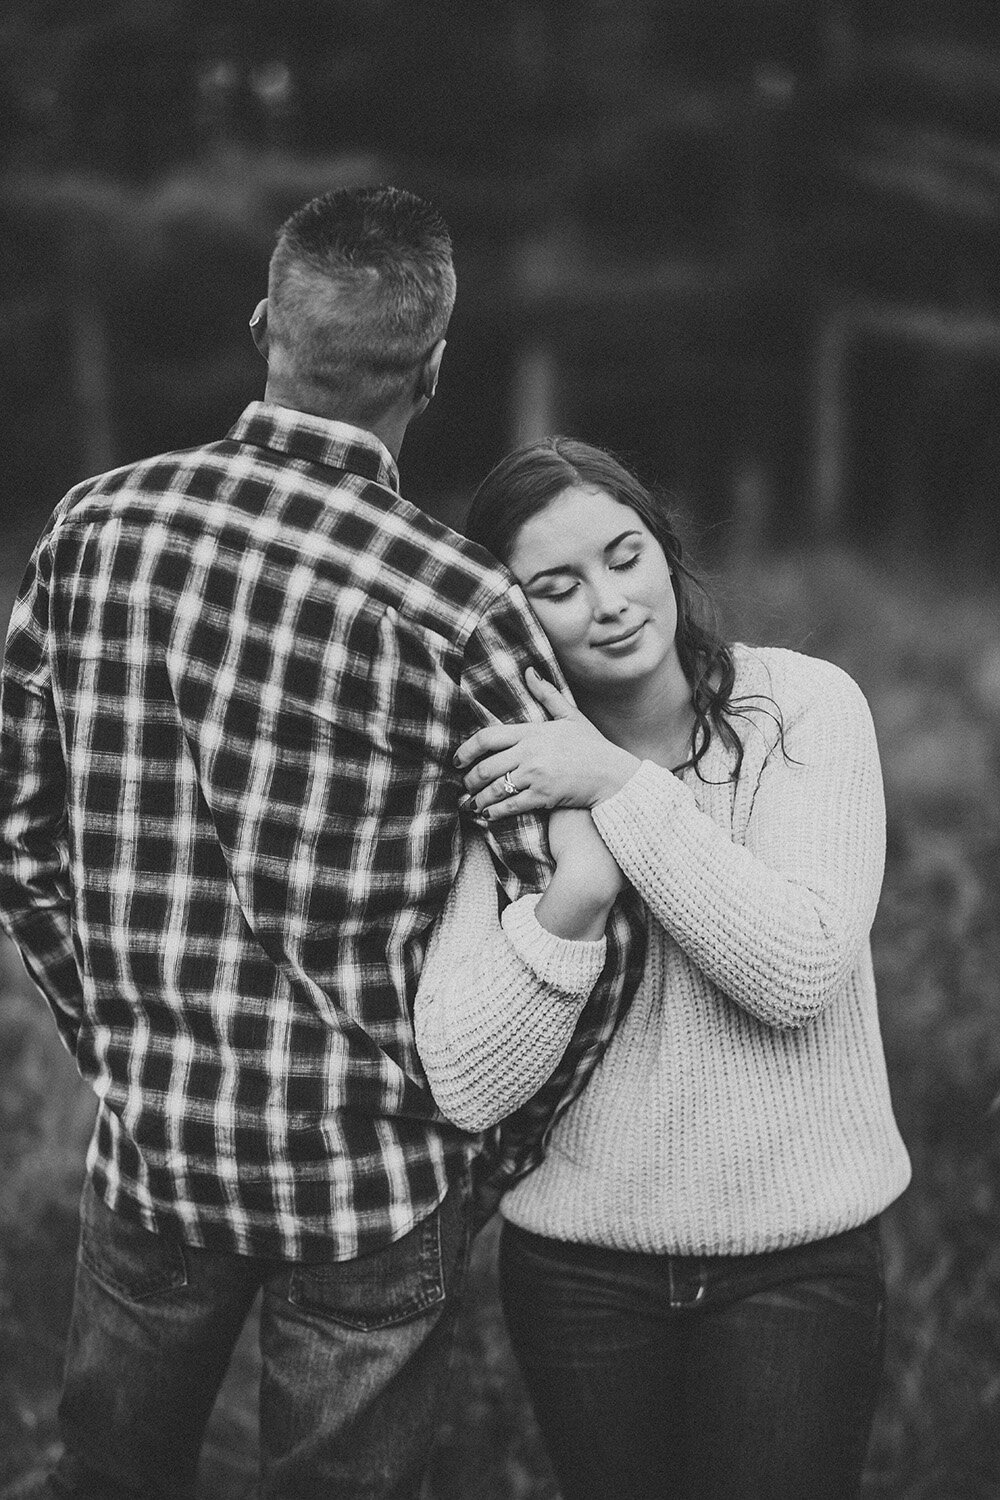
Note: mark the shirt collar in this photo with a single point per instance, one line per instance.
(338, 445)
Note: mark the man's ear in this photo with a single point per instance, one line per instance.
(258, 327)
(429, 372)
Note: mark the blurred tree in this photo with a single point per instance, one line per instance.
(667, 215)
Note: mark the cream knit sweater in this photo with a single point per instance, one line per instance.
(742, 1104)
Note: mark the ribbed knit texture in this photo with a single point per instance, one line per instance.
(743, 1104)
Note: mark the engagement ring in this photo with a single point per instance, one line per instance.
(508, 785)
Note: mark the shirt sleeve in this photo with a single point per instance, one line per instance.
(506, 641)
(35, 898)
(498, 999)
(779, 923)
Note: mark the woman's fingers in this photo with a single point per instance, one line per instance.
(555, 703)
(497, 736)
(509, 807)
(490, 773)
(487, 742)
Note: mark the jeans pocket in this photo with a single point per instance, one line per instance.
(393, 1285)
(125, 1258)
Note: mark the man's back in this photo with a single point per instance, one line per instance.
(228, 818)
(260, 659)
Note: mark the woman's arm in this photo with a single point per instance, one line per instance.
(498, 1000)
(777, 924)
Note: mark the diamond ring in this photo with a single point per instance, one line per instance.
(508, 785)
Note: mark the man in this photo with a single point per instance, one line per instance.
(234, 680)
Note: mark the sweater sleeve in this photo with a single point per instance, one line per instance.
(778, 923)
(498, 999)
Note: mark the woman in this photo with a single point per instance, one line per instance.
(692, 1277)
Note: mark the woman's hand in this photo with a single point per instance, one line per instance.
(565, 762)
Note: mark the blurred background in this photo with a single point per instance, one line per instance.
(752, 246)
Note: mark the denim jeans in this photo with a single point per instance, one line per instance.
(744, 1377)
(355, 1358)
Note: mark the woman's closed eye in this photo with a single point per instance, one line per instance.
(564, 588)
(568, 588)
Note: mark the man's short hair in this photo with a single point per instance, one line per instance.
(360, 290)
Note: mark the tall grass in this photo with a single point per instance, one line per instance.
(927, 653)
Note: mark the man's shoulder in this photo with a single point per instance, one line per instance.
(148, 480)
(442, 555)
(350, 530)
(430, 577)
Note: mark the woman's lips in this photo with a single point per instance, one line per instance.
(619, 640)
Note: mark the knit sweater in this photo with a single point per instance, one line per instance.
(742, 1104)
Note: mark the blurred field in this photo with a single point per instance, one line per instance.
(927, 652)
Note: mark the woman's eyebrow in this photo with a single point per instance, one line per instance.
(568, 567)
(622, 538)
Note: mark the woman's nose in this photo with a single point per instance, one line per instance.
(609, 601)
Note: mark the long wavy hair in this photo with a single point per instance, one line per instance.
(527, 480)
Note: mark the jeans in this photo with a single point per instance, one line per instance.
(743, 1377)
(355, 1358)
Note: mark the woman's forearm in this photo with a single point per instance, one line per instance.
(498, 1002)
(569, 907)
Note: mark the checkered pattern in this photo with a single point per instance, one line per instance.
(234, 680)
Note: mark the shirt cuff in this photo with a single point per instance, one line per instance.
(569, 965)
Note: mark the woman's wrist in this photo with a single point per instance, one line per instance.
(616, 767)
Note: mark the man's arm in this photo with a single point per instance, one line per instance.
(506, 642)
(35, 898)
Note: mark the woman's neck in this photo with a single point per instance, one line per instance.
(652, 720)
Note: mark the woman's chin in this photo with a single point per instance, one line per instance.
(614, 677)
(646, 670)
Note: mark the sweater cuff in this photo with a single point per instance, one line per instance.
(569, 965)
(649, 789)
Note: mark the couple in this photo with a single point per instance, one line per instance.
(276, 749)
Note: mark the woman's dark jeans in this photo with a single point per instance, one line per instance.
(731, 1377)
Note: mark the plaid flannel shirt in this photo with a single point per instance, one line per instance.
(234, 680)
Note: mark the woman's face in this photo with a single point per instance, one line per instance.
(600, 586)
